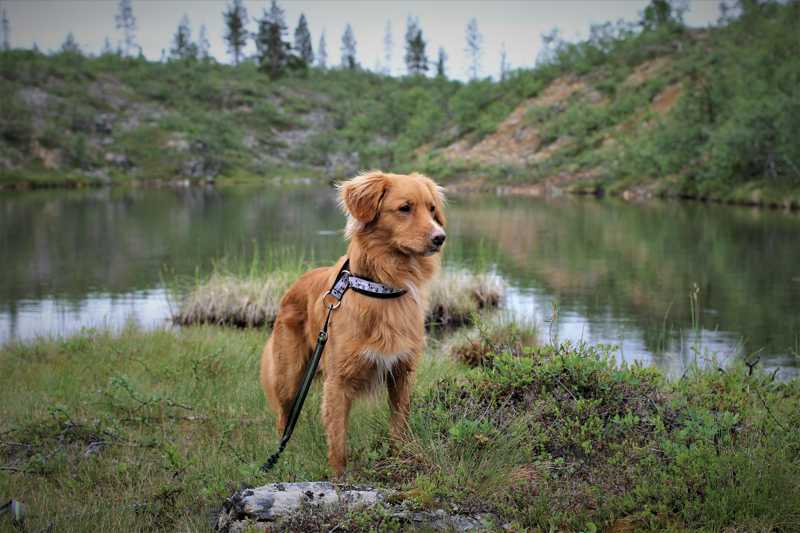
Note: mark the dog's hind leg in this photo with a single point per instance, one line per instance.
(282, 364)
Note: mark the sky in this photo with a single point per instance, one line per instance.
(517, 25)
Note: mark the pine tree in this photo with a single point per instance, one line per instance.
(182, 46)
(273, 51)
(236, 33)
(127, 23)
(420, 57)
(302, 41)
(416, 59)
(552, 44)
(349, 48)
(388, 44)
(70, 46)
(322, 52)
(441, 69)
(5, 29)
(203, 44)
(473, 50)
(505, 66)
(663, 13)
(107, 49)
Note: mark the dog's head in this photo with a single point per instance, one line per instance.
(404, 212)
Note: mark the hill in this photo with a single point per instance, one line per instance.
(636, 110)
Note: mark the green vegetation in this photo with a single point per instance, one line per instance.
(653, 108)
(151, 431)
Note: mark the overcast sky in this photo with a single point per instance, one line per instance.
(516, 24)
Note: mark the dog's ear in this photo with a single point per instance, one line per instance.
(362, 195)
(437, 191)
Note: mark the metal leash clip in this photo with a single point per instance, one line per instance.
(340, 286)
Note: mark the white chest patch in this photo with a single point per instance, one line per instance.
(384, 362)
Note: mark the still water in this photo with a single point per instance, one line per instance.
(667, 282)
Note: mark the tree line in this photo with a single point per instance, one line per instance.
(275, 53)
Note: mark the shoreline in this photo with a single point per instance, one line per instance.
(535, 190)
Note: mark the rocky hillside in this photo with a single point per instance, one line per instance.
(660, 110)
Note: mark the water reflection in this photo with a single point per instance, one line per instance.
(617, 273)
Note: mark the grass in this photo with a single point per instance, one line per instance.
(250, 299)
(144, 431)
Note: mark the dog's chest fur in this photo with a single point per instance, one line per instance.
(385, 362)
(384, 365)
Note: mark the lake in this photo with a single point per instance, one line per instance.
(668, 282)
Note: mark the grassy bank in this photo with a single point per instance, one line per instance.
(152, 430)
(251, 299)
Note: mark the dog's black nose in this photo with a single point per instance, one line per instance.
(439, 239)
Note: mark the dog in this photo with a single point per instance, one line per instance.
(395, 227)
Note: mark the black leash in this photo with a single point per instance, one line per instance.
(344, 281)
(300, 397)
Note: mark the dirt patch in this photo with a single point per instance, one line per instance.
(646, 71)
(515, 142)
(666, 99)
(51, 159)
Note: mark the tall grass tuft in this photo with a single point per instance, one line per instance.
(249, 297)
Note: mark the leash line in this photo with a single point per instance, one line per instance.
(300, 397)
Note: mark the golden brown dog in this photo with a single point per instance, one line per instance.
(395, 227)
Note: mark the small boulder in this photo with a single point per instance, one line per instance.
(263, 507)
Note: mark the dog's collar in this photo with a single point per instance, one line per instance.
(374, 289)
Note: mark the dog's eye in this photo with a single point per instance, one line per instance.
(405, 208)
(433, 208)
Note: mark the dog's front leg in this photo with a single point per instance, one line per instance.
(399, 385)
(336, 401)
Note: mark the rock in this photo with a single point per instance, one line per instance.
(267, 503)
(34, 97)
(100, 175)
(199, 147)
(199, 168)
(250, 141)
(178, 142)
(261, 507)
(120, 160)
(104, 123)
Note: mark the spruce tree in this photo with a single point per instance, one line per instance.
(302, 42)
(322, 52)
(5, 28)
(441, 68)
(70, 46)
(182, 46)
(349, 48)
(505, 66)
(388, 44)
(663, 14)
(127, 23)
(203, 44)
(473, 49)
(107, 48)
(236, 33)
(273, 50)
(416, 59)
